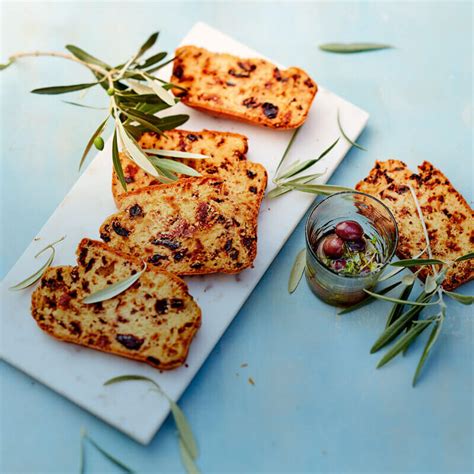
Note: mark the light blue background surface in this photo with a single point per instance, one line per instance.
(318, 404)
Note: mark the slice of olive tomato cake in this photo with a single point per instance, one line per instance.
(449, 218)
(226, 152)
(193, 226)
(153, 321)
(253, 90)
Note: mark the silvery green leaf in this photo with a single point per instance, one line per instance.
(162, 93)
(147, 44)
(149, 121)
(156, 68)
(110, 291)
(109, 456)
(156, 58)
(175, 154)
(27, 282)
(173, 121)
(464, 299)
(416, 262)
(345, 135)
(468, 256)
(135, 152)
(287, 149)
(187, 460)
(279, 190)
(323, 189)
(397, 308)
(131, 378)
(140, 88)
(348, 48)
(98, 131)
(77, 104)
(369, 300)
(429, 345)
(396, 300)
(297, 271)
(53, 90)
(409, 279)
(117, 163)
(184, 430)
(174, 166)
(404, 341)
(430, 284)
(86, 57)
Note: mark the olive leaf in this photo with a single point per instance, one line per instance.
(117, 163)
(368, 300)
(32, 279)
(468, 256)
(110, 291)
(134, 151)
(186, 436)
(298, 167)
(349, 48)
(415, 262)
(297, 271)
(392, 331)
(187, 459)
(156, 58)
(397, 308)
(404, 341)
(287, 149)
(162, 93)
(106, 454)
(63, 89)
(279, 191)
(396, 300)
(98, 131)
(343, 133)
(464, 299)
(77, 104)
(322, 189)
(147, 44)
(86, 57)
(175, 154)
(430, 284)
(429, 345)
(176, 166)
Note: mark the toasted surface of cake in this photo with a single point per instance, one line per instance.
(193, 226)
(253, 90)
(153, 321)
(449, 218)
(227, 160)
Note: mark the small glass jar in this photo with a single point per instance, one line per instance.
(376, 220)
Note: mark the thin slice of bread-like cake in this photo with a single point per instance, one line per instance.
(253, 90)
(153, 321)
(193, 226)
(225, 151)
(448, 217)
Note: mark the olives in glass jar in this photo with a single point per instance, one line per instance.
(333, 246)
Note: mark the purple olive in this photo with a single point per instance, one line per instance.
(356, 245)
(349, 230)
(333, 246)
(339, 264)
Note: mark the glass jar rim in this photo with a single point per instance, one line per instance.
(378, 201)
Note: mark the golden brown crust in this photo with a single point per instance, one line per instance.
(192, 227)
(251, 89)
(153, 321)
(449, 218)
(227, 159)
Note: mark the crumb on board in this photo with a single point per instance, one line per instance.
(244, 365)
(251, 381)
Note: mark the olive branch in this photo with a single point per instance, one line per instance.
(135, 96)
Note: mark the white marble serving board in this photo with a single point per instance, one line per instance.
(79, 373)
